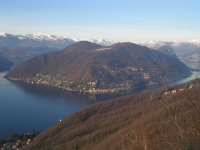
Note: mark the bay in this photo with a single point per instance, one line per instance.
(24, 107)
(194, 75)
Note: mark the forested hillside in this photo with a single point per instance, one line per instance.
(164, 119)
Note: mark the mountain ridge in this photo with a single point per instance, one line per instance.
(105, 42)
(167, 50)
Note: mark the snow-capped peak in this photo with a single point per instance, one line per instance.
(3, 34)
(195, 42)
(175, 43)
(22, 37)
(41, 36)
(104, 42)
(76, 39)
(152, 44)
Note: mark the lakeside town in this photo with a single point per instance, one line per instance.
(137, 78)
(192, 58)
(18, 141)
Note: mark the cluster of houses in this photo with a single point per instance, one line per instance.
(15, 145)
(173, 91)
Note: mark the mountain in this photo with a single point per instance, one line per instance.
(5, 64)
(56, 41)
(193, 56)
(103, 42)
(86, 66)
(20, 54)
(180, 48)
(44, 40)
(184, 48)
(167, 50)
(152, 44)
(30, 40)
(19, 48)
(195, 42)
(150, 120)
(2, 50)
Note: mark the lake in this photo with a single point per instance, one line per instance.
(195, 74)
(24, 107)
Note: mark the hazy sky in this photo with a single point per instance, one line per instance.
(124, 20)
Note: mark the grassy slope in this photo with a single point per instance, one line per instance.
(115, 124)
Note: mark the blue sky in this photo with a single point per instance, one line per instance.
(124, 20)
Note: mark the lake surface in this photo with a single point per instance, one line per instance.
(24, 107)
(195, 74)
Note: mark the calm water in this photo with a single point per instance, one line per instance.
(195, 65)
(24, 107)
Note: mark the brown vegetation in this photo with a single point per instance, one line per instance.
(123, 65)
(147, 121)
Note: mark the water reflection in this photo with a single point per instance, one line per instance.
(194, 75)
(55, 93)
(24, 107)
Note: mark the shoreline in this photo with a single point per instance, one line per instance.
(105, 91)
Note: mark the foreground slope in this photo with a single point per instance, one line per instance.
(87, 66)
(151, 120)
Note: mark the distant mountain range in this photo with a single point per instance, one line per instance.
(39, 39)
(28, 46)
(57, 41)
(29, 40)
(86, 66)
(19, 48)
